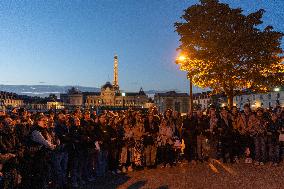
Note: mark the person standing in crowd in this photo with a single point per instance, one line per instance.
(115, 130)
(76, 153)
(226, 130)
(61, 154)
(273, 131)
(42, 143)
(202, 136)
(138, 133)
(165, 142)
(214, 139)
(236, 135)
(246, 138)
(104, 137)
(151, 133)
(258, 125)
(126, 156)
(177, 119)
(89, 134)
(190, 137)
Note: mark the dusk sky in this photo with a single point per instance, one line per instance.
(74, 42)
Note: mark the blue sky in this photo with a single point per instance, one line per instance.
(73, 42)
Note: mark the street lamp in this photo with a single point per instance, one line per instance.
(180, 60)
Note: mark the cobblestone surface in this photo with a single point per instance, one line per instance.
(206, 175)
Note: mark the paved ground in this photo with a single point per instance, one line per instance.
(207, 175)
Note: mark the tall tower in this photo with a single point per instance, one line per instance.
(115, 73)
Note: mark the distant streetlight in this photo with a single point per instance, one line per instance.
(181, 59)
(277, 89)
(123, 102)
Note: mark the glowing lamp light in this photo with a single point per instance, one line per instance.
(277, 89)
(181, 58)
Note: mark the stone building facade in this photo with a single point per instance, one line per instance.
(265, 100)
(10, 100)
(173, 100)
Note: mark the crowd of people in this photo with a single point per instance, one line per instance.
(69, 149)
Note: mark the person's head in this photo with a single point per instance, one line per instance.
(9, 121)
(246, 109)
(15, 111)
(125, 121)
(116, 120)
(259, 112)
(103, 119)
(2, 113)
(168, 113)
(75, 121)
(150, 117)
(61, 117)
(199, 113)
(234, 110)
(42, 121)
(87, 115)
(138, 116)
(175, 114)
(274, 116)
(212, 112)
(282, 115)
(224, 112)
(94, 113)
(23, 112)
(190, 113)
(163, 123)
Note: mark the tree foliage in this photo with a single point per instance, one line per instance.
(228, 50)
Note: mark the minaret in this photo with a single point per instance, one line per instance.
(115, 73)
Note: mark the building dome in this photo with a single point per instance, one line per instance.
(73, 90)
(107, 85)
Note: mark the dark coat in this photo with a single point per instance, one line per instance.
(152, 130)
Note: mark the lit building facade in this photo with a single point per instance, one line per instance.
(176, 101)
(10, 100)
(264, 100)
(202, 100)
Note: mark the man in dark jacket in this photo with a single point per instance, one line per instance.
(225, 128)
(88, 127)
(190, 137)
(104, 137)
(202, 136)
(76, 153)
(60, 159)
(151, 133)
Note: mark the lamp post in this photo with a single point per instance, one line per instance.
(180, 60)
